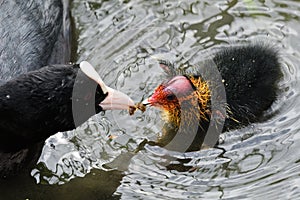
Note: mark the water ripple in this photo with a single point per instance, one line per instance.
(256, 162)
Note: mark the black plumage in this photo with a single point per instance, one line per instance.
(39, 103)
(33, 34)
(249, 74)
(40, 94)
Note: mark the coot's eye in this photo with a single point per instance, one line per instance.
(170, 97)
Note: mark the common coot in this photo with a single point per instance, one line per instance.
(38, 101)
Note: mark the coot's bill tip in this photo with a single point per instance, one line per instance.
(116, 100)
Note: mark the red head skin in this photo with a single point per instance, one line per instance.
(179, 94)
(184, 101)
(171, 96)
(166, 95)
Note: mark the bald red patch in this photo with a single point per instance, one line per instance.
(179, 85)
(169, 92)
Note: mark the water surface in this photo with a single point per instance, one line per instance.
(97, 160)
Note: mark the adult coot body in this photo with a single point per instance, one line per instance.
(38, 101)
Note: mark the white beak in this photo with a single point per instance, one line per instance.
(115, 100)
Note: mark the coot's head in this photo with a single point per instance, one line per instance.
(54, 98)
(181, 93)
(106, 97)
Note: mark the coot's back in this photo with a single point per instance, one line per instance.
(32, 35)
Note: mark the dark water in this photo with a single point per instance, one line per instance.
(97, 160)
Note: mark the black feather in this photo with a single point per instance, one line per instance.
(250, 75)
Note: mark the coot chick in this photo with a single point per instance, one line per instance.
(249, 74)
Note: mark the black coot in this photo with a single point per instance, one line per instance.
(37, 101)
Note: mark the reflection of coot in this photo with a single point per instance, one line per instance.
(37, 101)
(249, 74)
